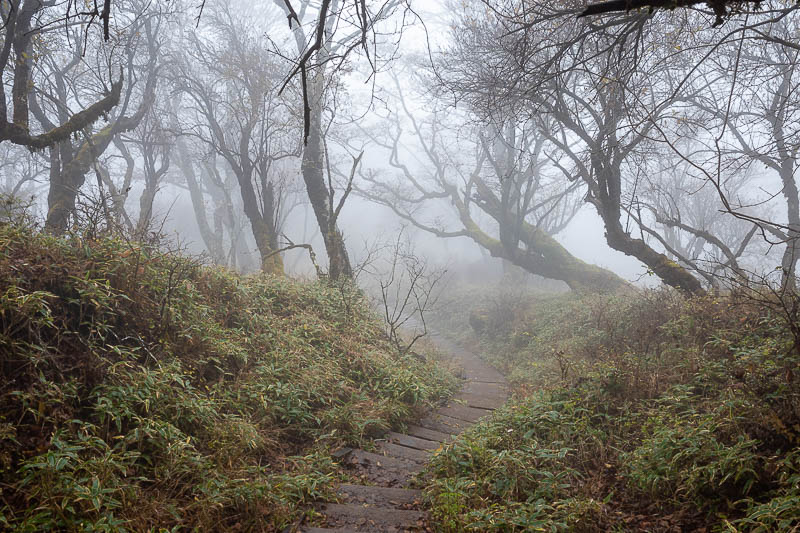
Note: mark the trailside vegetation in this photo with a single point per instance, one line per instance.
(143, 391)
(684, 419)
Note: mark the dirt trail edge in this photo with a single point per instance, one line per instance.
(384, 503)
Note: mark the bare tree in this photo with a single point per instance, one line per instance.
(591, 88)
(232, 90)
(154, 144)
(409, 290)
(506, 188)
(71, 82)
(327, 34)
(318, 47)
(201, 178)
(24, 23)
(758, 130)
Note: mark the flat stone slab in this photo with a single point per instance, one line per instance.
(444, 424)
(480, 401)
(381, 469)
(369, 458)
(412, 442)
(328, 530)
(403, 452)
(370, 518)
(381, 496)
(429, 434)
(485, 389)
(450, 421)
(463, 412)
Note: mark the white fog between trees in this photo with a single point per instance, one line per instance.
(301, 137)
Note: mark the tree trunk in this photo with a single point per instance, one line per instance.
(262, 225)
(119, 195)
(790, 254)
(789, 259)
(318, 193)
(145, 210)
(212, 239)
(605, 195)
(555, 262)
(665, 268)
(64, 187)
(67, 178)
(543, 256)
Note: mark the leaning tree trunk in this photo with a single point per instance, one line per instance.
(318, 193)
(69, 173)
(605, 195)
(68, 176)
(557, 263)
(665, 268)
(542, 254)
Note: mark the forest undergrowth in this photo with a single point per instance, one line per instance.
(639, 411)
(143, 391)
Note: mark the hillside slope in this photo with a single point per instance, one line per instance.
(143, 391)
(641, 411)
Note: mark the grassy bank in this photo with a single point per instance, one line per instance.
(142, 391)
(635, 412)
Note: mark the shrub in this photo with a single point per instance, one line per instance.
(683, 460)
(519, 470)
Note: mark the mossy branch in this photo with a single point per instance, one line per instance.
(19, 134)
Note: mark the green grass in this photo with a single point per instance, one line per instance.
(143, 391)
(633, 412)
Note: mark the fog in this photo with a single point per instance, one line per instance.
(251, 134)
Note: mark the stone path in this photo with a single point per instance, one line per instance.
(383, 503)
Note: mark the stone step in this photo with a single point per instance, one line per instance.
(482, 378)
(429, 434)
(485, 389)
(380, 504)
(403, 452)
(480, 401)
(444, 424)
(370, 518)
(381, 469)
(475, 373)
(412, 442)
(380, 496)
(463, 412)
(327, 530)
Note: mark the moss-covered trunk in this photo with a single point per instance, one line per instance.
(605, 196)
(540, 254)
